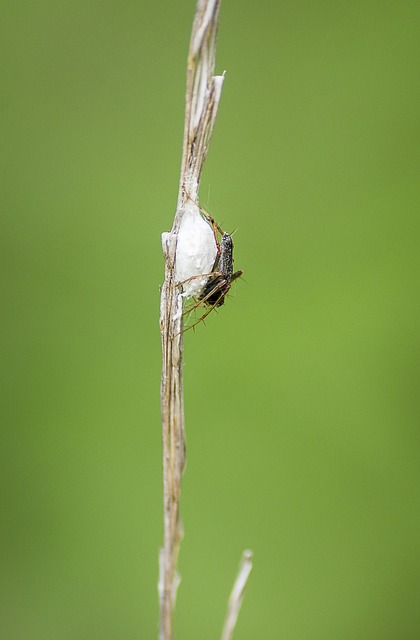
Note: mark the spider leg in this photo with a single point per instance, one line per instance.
(200, 319)
(197, 303)
(217, 287)
(202, 301)
(199, 275)
(221, 286)
(236, 275)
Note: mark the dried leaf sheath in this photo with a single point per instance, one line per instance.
(202, 99)
(173, 441)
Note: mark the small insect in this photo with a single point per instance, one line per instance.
(220, 280)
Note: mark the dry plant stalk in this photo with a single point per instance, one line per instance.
(237, 595)
(202, 99)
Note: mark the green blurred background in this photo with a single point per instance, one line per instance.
(301, 394)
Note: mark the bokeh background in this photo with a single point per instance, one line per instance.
(301, 395)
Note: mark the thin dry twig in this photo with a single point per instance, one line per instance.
(237, 595)
(202, 98)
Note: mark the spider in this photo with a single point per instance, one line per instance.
(220, 279)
